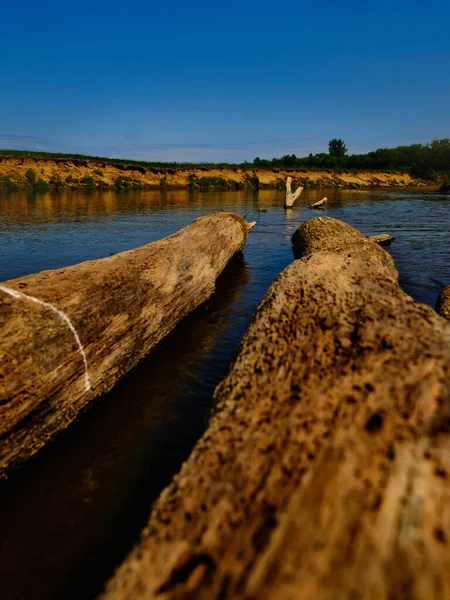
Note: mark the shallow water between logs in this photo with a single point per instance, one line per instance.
(72, 514)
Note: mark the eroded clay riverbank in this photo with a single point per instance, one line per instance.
(62, 173)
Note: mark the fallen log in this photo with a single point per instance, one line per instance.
(384, 239)
(443, 303)
(325, 471)
(67, 336)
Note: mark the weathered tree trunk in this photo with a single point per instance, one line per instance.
(325, 472)
(67, 336)
(443, 303)
(291, 197)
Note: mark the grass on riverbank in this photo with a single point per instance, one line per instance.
(42, 171)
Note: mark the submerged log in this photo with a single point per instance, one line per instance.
(325, 471)
(443, 303)
(319, 203)
(384, 239)
(67, 336)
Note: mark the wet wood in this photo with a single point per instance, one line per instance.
(325, 471)
(67, 336)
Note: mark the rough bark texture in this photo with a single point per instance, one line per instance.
(383, 239)
(325, 470)
(120, 307)
(443, 303)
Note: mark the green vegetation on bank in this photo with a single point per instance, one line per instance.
(37, 184)
(420, 160)
(251, 180)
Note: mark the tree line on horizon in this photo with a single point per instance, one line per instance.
(420, 160)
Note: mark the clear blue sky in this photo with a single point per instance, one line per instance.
(209, 80)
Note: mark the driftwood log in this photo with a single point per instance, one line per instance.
(443, 303)
(325, 471)
(67, 336)
(319, 203)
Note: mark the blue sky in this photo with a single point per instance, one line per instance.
(224, 81)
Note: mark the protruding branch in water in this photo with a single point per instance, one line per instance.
(383, 239)
(319, 203)
(291, 197)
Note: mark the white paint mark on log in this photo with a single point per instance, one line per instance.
(21, 296)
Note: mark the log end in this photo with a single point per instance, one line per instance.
(326, 234)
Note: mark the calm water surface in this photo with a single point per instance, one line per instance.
(73, 513)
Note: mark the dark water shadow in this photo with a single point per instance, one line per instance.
(72, 514)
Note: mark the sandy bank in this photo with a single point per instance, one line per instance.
(61, 173)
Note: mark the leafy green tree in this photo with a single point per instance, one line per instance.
(337, 149)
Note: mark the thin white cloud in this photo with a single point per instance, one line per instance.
(237, 151)
(20, 141)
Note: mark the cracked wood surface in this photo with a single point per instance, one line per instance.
(120, 307)
(325, 469)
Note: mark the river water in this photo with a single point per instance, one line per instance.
(72, 514)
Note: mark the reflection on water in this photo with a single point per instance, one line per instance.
(73, 513)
